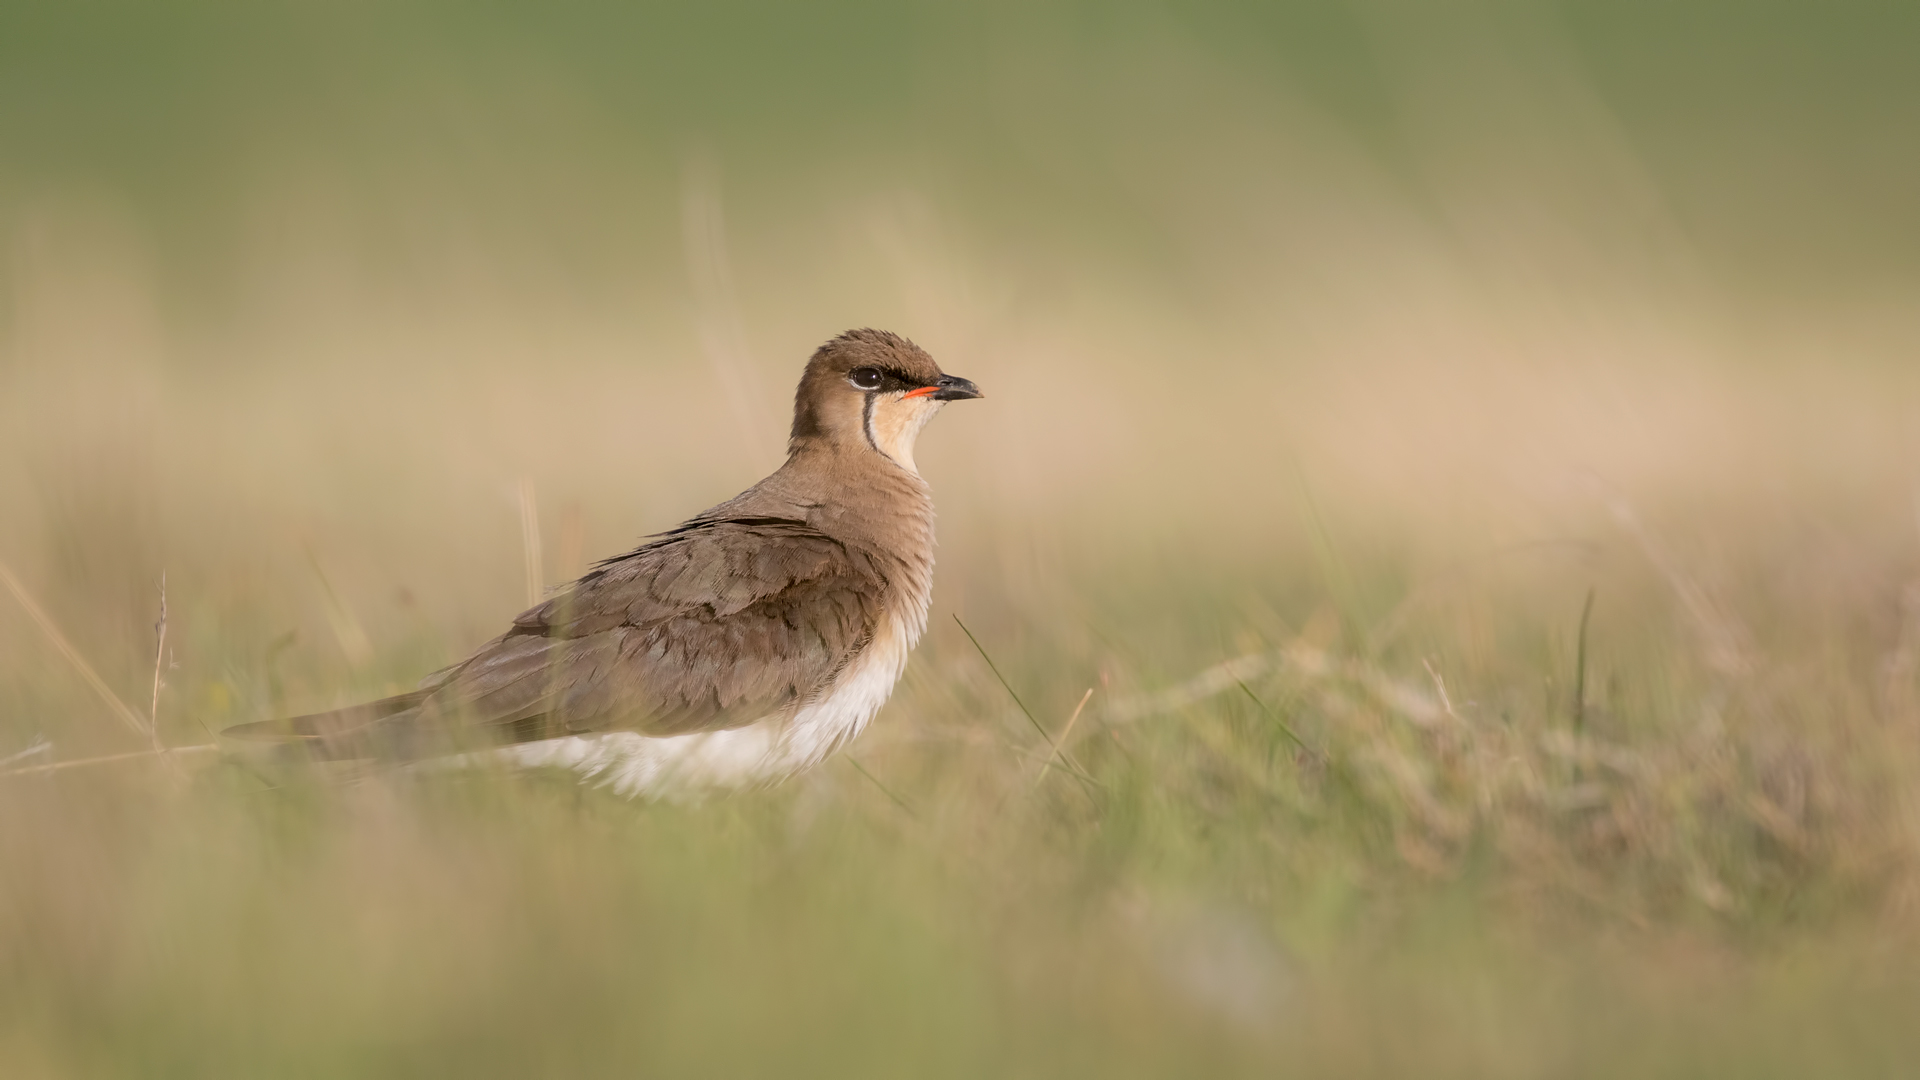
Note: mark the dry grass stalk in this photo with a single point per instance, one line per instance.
(1726, 644)
(346, 627)
(159, 657)
(72, 655)
(40, 747)
(1065, 734)
(108, 759)
(1068, 762)
(530, 544)
(1440, 687)
(1406, 701)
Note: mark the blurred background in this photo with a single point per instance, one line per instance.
(1543, 372)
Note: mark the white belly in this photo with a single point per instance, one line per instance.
(768, 750)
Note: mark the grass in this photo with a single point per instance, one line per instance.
(1256, 849)
(1470, 465)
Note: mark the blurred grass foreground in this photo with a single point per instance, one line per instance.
(1454, 463)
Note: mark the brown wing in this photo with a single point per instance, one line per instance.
(714, 625)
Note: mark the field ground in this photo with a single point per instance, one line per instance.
(1351, 795)
(1462, 457)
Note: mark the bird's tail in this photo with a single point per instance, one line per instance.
(376, 730)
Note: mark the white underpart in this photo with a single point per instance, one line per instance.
(895, 423)
(768, 750)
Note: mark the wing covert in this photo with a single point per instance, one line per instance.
(714, 625)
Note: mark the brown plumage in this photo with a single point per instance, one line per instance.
(781, 616)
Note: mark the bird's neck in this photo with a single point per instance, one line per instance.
(863, 498)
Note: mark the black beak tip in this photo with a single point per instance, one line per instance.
(955, 388)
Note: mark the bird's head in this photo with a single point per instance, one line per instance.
(874, 391)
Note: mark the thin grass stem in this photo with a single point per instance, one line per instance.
(1580, 667)
(1028, 713)
(1284, 727)
(159, 656)
(1064, 734)
(897, 800)
(107, 759)
(60, 643)
(530, 551)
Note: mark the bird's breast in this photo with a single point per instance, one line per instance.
(834, 718)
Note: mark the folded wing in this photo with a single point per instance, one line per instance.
(714, 625)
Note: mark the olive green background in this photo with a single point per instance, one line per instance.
(1458, 460)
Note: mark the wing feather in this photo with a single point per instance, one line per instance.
(712, 626)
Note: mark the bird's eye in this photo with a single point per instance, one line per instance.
(864, 378)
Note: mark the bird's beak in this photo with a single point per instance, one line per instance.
(949, 388)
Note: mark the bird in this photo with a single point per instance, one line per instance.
(735, 650)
